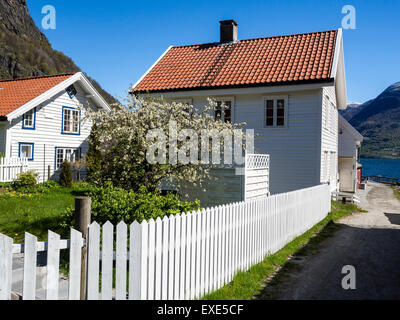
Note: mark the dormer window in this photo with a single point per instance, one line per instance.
(29, 120)
(71, 90)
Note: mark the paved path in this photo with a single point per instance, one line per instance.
(368, 241)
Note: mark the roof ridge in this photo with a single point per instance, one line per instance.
(38, 77)
(251, 39)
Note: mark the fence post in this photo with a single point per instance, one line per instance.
(48, 172)
(82, 221)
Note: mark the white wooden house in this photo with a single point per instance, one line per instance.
(42, 119)
(287, 88)
(350, 141)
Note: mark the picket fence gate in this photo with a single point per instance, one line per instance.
(11, 167)
(178, 257)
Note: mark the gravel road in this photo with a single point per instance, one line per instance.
(368, 241)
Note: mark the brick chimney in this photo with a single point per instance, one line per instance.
(229, 31)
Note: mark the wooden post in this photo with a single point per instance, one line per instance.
(48, 172)
(82, 221)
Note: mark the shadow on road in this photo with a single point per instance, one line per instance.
(315, 272)
(394, 218)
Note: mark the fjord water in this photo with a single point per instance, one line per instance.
(381, 167)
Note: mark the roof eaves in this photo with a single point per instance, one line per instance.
(252, 85)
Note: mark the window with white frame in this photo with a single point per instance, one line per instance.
(28, 119)
(69, 154)
(26, 151)
(71, 121)
(223, 110)
(276, 112)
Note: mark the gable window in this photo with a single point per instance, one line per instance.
(26, 151)
(69, 154)
(29, 120)
(276, 112)
(71, 90)
(71, 121)
(223, 111)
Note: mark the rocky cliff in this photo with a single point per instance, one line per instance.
(25, 50)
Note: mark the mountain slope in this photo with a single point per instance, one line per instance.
(25, 51)
(379, 121)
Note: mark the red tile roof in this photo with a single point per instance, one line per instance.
(265, 61)
(17, 92)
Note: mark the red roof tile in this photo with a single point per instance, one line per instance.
(263, 61)
(17, 92)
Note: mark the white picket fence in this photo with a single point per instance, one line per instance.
(180, 257)
(11, 167)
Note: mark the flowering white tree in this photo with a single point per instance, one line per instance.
(149, 140)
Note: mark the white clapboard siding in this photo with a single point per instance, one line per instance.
(48, 134)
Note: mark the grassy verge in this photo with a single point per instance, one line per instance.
(396, 191)
(246, 285)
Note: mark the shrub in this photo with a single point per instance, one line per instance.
(66, 175)
(116, 204)
(25, 180)
(93, 157)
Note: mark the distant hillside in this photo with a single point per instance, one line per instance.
(25, 51)
(379, 121)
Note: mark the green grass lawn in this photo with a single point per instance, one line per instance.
(246, 285)
(35, 215)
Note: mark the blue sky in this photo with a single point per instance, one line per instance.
(115, 42)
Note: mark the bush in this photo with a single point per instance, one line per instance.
(93, 157)
(116, 204)
(66, 175)
(25, 180)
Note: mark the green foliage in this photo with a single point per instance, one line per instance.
(93, 157)
(116, 204)
(66, 175)
(25, 180)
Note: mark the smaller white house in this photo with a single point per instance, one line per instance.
(349, 156)
(42, 120)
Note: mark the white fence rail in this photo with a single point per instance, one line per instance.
(180, 257)
(11, 167)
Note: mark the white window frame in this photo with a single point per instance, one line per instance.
(66, 150)
(32, 149)
(73, 122)
(232, 101)
(31, 117)
(275, 99)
